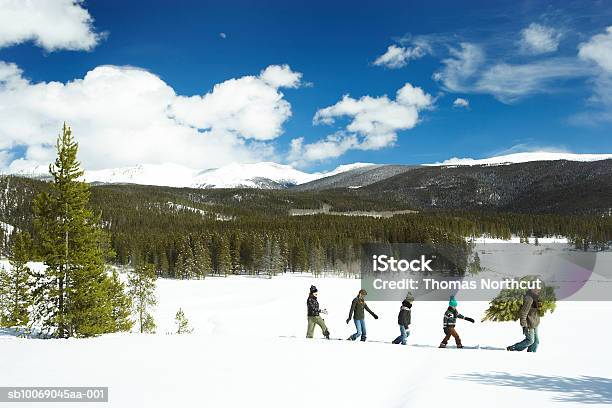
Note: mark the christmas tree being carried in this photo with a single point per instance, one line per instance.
(505, 307)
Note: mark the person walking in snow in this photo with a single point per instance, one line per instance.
(529, 315)
(313, 310)
(450, 320)
(357, 312)
(403, 319)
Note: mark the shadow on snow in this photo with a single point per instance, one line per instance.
(583, 389)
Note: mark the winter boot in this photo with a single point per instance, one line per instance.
(442, 345)
(395, 341)
(510, 348)
(459, 345)
(326, 334)
(363, 338)
(350, 338)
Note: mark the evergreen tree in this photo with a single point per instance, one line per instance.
(182, 324)
(141, 289)
(236, 252)
(15, 297)
(507, 304)
(122, 305)
(317, 258)
(201, 260)
(254, 262)
(224, 258)
(163, 268)
(191, 269)
(277, 263)
(179, 266)
(72, 295)
(300, 257)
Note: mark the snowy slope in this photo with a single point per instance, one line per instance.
(255, 175)
(263, 174)
(236, 357)
(167, 174)
(251, 175)
(522, 158)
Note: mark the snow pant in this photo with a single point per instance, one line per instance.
(312, 321)
(530, 342)
(450, 331)
(361, 330)
(404, 333)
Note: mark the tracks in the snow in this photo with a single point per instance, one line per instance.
(476, 347)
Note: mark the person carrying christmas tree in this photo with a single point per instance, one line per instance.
(450, 320)
(403, 319)
(314, 318)
(529, 316)
(358, 314)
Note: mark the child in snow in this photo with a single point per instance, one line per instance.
(450, 319)
(403, 319)
(357, 313)
(314, 318)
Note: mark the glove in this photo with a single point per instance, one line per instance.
(324, 311)
(348, 320)
(469, 319)
(376, 317)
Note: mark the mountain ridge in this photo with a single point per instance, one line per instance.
(271, 175)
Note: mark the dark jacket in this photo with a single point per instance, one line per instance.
(404, 316)
(357, 309)
(312, 304)
(450, 317)
(529, 314)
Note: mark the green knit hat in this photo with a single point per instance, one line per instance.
(452, 302)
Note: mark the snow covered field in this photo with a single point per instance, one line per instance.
(237, 357)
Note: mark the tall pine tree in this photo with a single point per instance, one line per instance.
(141, 284)
(15, 284)
(74, 296)
(122, 304)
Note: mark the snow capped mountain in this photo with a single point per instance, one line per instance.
(266, 175)
(29, 169)
(521, 158)
(167, 174)
(257, 175)
(347, 167)
(250, 175)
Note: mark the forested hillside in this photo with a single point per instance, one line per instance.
(186, 231)
(557, 187)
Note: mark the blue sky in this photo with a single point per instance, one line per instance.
(534, 76)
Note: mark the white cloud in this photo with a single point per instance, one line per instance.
(124, 115)
(539, 39)
(250, 106)
(462, 65)
(330, 147)
(398, 57)
(461, 103)
(373, 123)
(52, 25)
(468, 71)
(281, 76)
(599, 50)
(510, 83)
